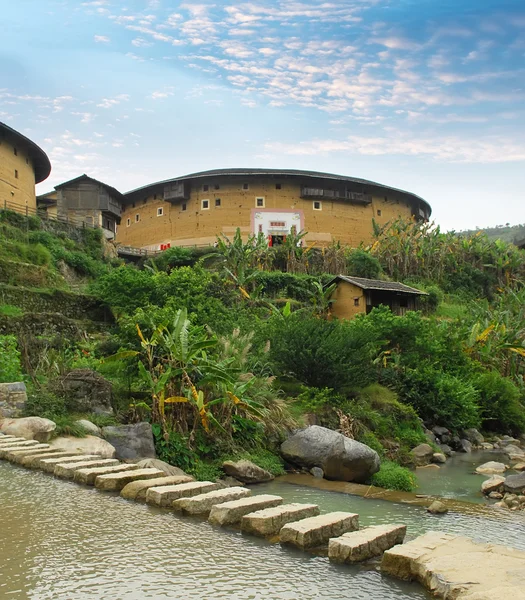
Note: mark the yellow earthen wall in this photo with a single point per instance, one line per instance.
(339, 220)
(345, 295)
(19, 192)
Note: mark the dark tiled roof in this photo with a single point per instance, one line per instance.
(111, 190)
(279, 173)
(378, 284)
(41, 164)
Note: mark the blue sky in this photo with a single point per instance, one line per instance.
(425, 95)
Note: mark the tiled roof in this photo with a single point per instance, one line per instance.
(378, 284)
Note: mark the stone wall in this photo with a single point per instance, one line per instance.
(13, 397)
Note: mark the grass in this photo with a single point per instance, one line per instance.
(451, 309)
(9, 310)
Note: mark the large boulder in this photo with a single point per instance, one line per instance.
(86, 445)
(340, 458)
(514, 452)
(422, 454)
(155, 463)
(465, 446)
(494, 484)
(440, 431)
(491, 468)
(13, 398)
(473, 436)
(132, 442)
(515, 483)
(31, 428)
(85, 391)
(246, 472)
(89, 427)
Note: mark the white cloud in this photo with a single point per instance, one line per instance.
(101, 39)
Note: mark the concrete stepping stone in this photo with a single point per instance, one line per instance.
(366, 543)
(16, 455)
(229, 513)
(316, 531)
(270, 521)
(137, 490)
(17, 446)
(165, 495)
(114, 482)
(10, 438)
(88, 475)
(202, 504)
(33, 461)
(13, 441)
(67, 470)
(48, 464)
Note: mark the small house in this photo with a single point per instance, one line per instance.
(356, 295)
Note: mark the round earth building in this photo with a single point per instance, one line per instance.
(193, 210)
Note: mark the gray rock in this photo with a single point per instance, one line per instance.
(494, 484)
(440, 431)
(465, 446)
(439, 458)
(437, 508)
(473, 436)
(447, 450)
(13, 398)
(513, 450)
(341, 458)
(446, 439)
(85, 391)
(487, 446)
(90, 427)
(317, 472)
(491, 468)
(515, 483)
(422, 454)
(30, 428)
(246, 471)
(166, 468)
(227, 482)
(430, 437)
(131, 442)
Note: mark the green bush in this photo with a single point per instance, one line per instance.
(361, 263)
(500, 405)
(392, 476)
(10, 365)
(205, 471)
(8, 310)
(40, 255)
(41, 403)
(263, 458)
(174, 450)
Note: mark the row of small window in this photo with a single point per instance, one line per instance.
(15, 152)
(245, 186)
(160, 213)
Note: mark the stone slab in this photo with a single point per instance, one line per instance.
(114, 482)
(12, 440)
(4, 438)
(451, 566)
(48, 464)
(270, 521)
(202, 504)
(88, 475)
(165, 495)
(67, 470)
(316, 531)
(17, 446)
(229, 513)
(366, 543)
(33, 461)
(137, 490)
(17, 456)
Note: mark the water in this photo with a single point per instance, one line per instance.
(60, 541)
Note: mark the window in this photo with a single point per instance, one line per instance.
(245, 186)
(133, 204)
(15, 151)
(205, 204)
(128, 222)
(154, 196)
(277, 186)
(259, 202)
(205, 188)
(318, 205)
(356, 301)
(386, 198)
(137, 218)
(378, 213)
(16, 174)
(160, 211)
(216, 187)
(183, 207)
(217, 201)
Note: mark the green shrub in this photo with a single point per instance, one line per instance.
(10, 365)
(174, 450)
(361, 263)
(41, 403)
(263, 458)
(9, 310)
(371, 440)
(500, 405)
(315, 400)
(392, 476)
(40, 255)
(430, 303)
(204, 471)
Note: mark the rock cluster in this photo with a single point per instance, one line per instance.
(510, 490)
(450, 443)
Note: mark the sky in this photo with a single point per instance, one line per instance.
(423, 95)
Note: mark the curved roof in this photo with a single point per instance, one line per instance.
(280, 173)
(41, 164)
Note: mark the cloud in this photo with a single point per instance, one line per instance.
(101, 39)
(111, 102)
(158, 95)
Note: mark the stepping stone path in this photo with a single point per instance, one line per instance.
(137, 490)
(114, 482)
(88, 475)
(13, 454)
(33, 461)
(316, 531)
(202, 504)
(270, 521)
(67, 470)
(369, 542)
(5, 449)
(48, 464)
(233, 511)
(166, 495)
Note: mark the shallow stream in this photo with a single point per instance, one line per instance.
(61, 541)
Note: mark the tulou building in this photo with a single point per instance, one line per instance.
(194, 209)
(22, 165)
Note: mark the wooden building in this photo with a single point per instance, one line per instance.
(356, 295)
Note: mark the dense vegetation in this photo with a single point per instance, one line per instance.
(224, 350)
